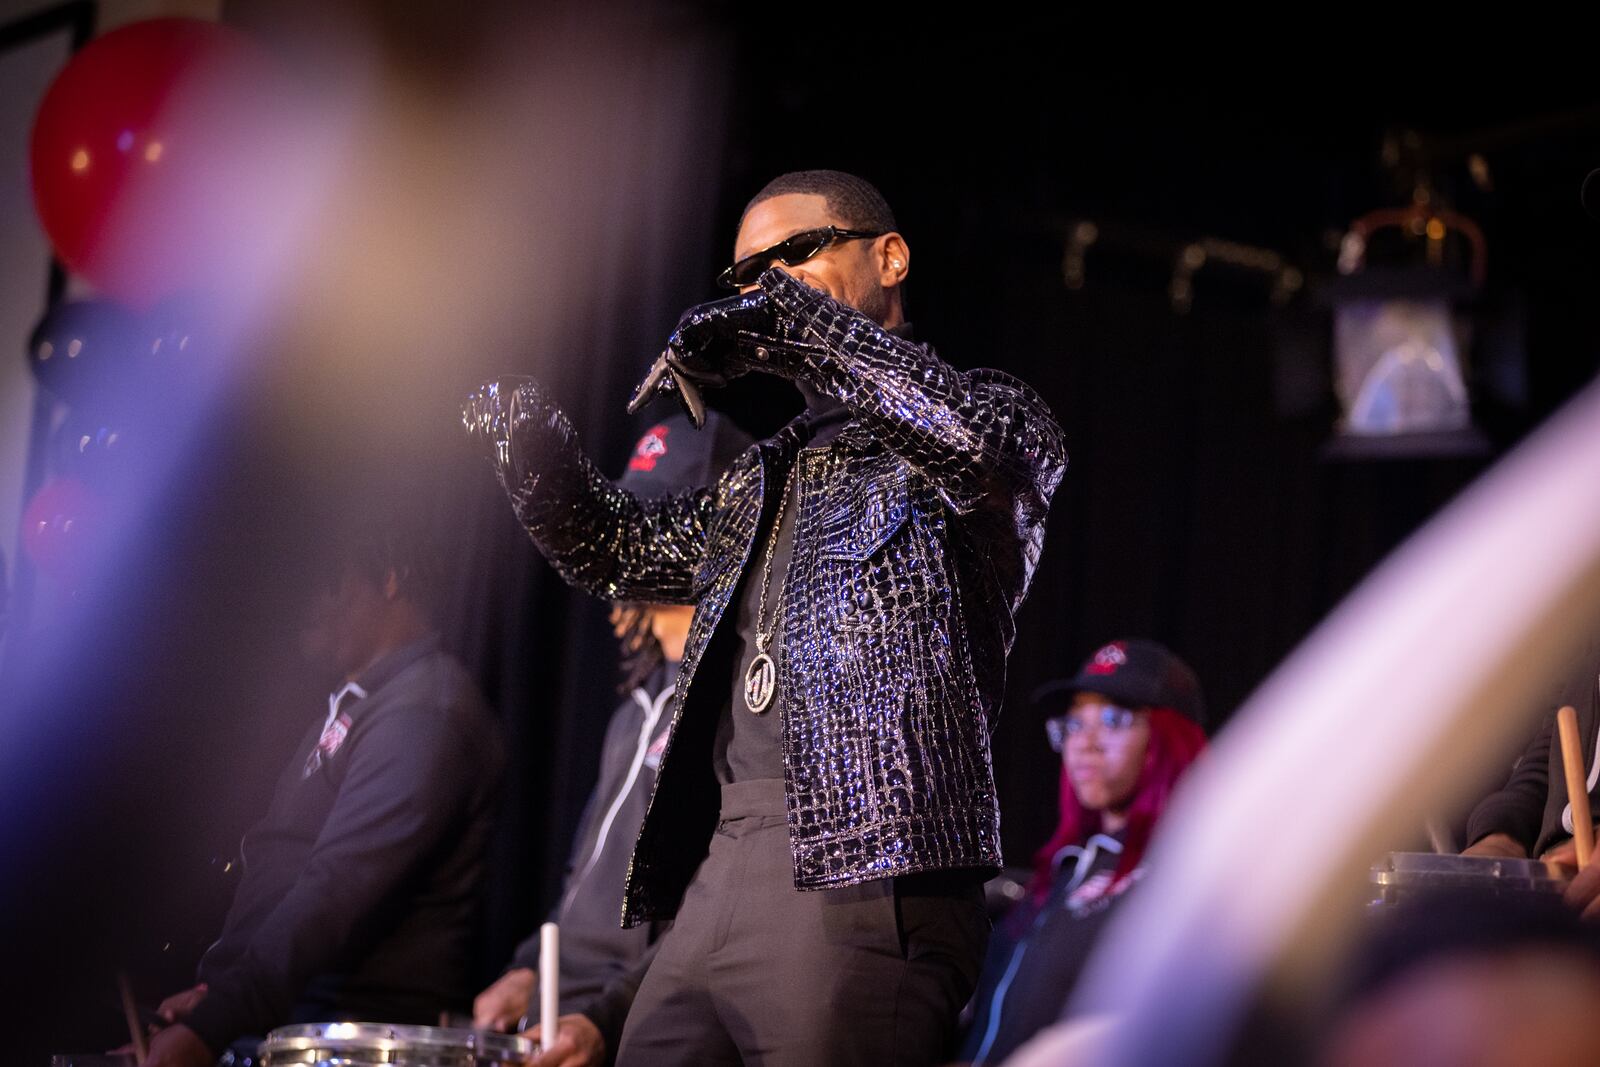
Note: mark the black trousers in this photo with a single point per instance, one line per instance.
(755, 971)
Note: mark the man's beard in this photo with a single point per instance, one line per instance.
(875, 305)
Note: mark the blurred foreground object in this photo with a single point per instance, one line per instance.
(1394, 705)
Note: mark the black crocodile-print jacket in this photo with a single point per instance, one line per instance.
(918, 529)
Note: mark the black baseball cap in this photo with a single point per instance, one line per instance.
(673, 456)
(1138, 673)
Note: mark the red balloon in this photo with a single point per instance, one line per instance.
(60, 529)
(125, 153)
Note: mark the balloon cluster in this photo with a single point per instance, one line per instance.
(137, 148)
(118, 375)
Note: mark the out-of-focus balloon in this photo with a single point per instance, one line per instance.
(99, 447)
(60, 530)
(84, 347)
(135, 148)
(178, 344)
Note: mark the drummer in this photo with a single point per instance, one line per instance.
(602, 963)
(360, 885)
(1130, 726)
(1531, 815)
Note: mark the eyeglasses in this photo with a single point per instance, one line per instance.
(1112, 719)
(792, 251)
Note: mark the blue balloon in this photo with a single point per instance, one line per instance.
(85, 349)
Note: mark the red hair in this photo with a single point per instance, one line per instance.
(1175, 742)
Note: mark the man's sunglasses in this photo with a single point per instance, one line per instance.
(791, 251)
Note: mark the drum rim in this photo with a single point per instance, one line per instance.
(389, 1037)
(1422, 866)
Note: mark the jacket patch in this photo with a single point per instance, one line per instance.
(329, 743)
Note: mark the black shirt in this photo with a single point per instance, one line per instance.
(749, 745)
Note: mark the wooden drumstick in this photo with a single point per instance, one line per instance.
(141, 1049)
(1577, 784)
(549, 984)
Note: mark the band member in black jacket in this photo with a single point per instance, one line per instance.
(360, 886)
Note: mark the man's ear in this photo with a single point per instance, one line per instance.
(391, 583)
(894, 260)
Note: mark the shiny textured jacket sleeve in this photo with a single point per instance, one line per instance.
(596, 535)
(977, 435)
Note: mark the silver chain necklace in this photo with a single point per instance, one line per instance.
(761, 677)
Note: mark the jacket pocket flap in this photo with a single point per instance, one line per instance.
(861, 530)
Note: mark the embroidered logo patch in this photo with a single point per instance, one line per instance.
(1100, 891)
(651, 447)
(327, 744)
(652, 755)
(334, 735)
(1109, 658)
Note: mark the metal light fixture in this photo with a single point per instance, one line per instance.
(1399, 337)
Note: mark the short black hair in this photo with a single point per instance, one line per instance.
(372, 547)
(854, 201)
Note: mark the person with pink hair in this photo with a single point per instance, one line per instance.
(1131, 725)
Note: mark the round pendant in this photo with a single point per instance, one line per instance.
(760, 681)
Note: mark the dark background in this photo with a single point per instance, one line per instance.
(1199, 507)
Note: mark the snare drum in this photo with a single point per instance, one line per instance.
(1406, 874)
(353, 1044)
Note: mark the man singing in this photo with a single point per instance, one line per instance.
(825, 813)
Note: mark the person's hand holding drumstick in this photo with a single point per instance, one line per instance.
(1583, 892)
(506, 1001)
(179, 1006)
(579, 1044)
(178, 1046)
(172, 1012)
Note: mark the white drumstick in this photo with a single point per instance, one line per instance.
(549, 983)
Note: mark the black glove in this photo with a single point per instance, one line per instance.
(486, 412)
(702, 351)
(709, 330)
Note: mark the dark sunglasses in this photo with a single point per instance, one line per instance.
(791, 251)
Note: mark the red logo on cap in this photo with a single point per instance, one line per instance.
(1108, 659)
(651, 447)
